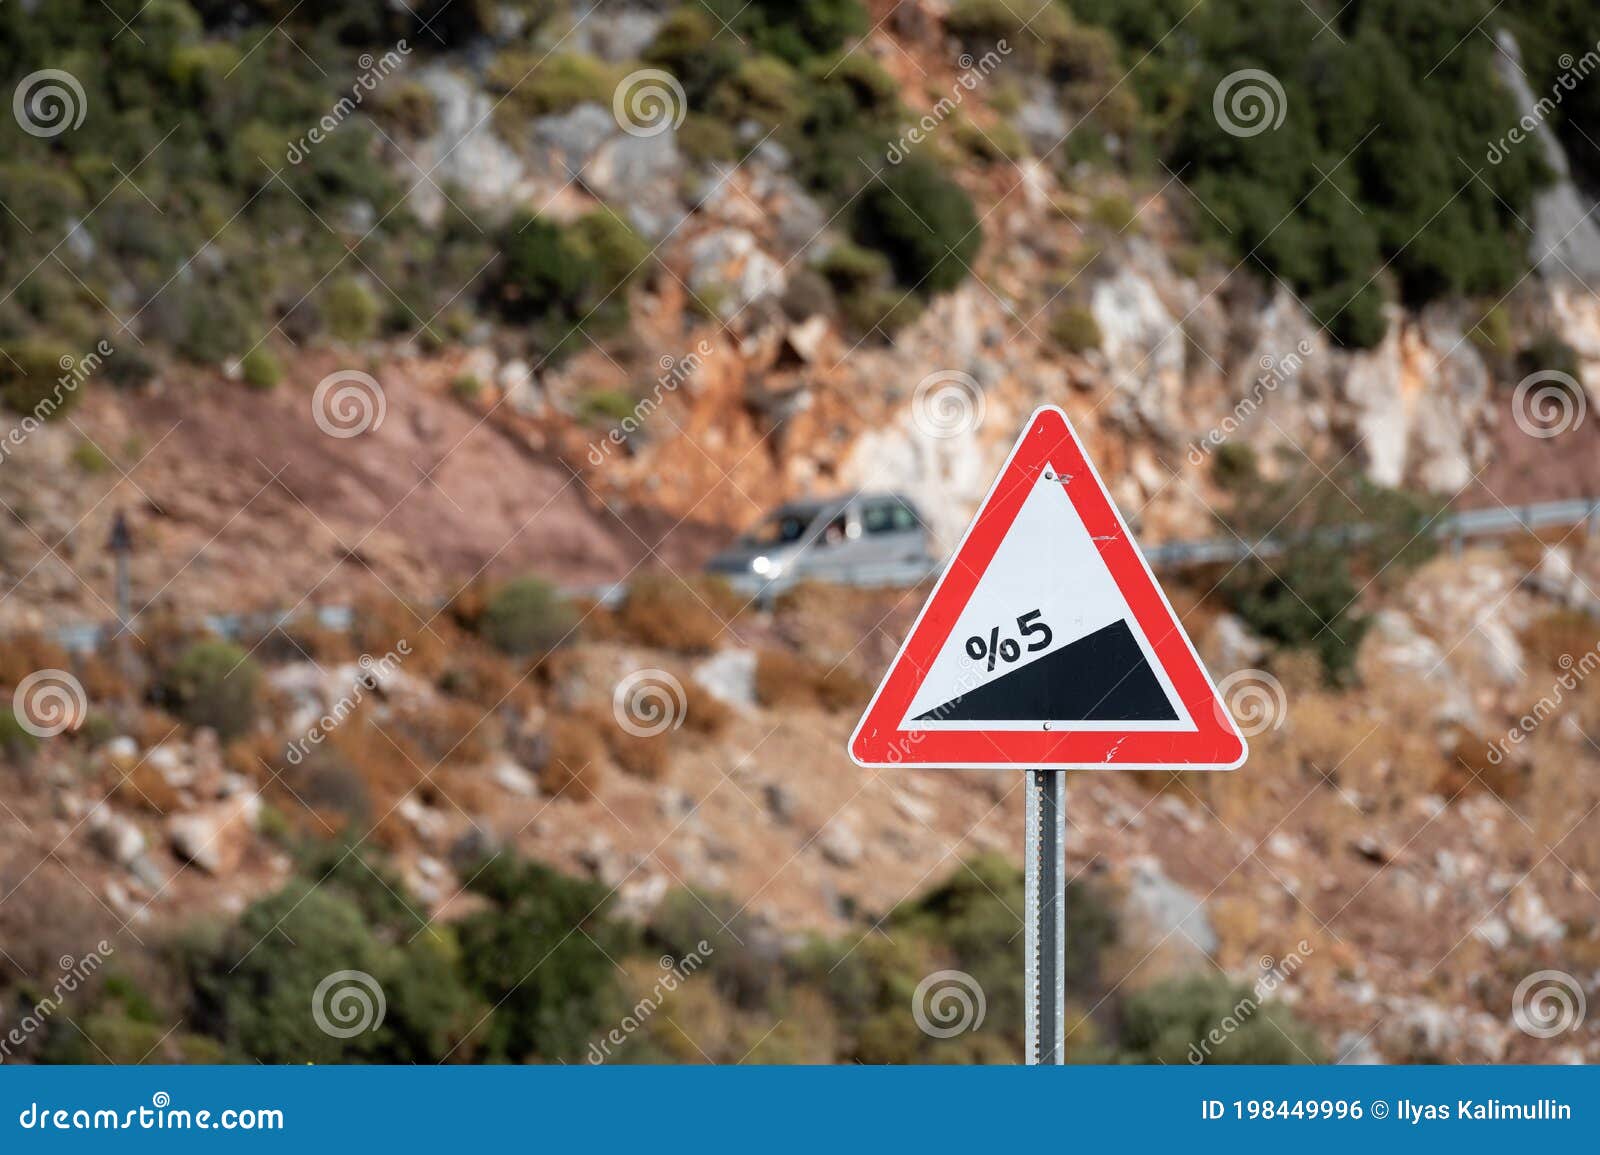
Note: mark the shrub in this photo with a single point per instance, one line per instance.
(567, 277)
(1234, 465)
(704, 138)
(35, 378)
(785, 679)
(258, 992)
(260, 369)
(1170, 1023)
(90, 458)
(763, 89)
(851, 269)
(577, 757)
(215, 684)
(526, 617)
(1075, 329)
(350, 310)
(553, 990)
(16, 744)
(1305, 597)
(691, 45)
(1548, 353)
(645, 757)
(535, 85)
(795, 30)
(671, 613)
(923, 223)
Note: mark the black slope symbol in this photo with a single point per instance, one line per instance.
(1102, 677)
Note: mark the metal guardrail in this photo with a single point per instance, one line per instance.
(83, 637)
(1454, 527)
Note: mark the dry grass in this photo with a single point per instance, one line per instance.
(577, 760)
(643, 757)
(786, 680)
(25, 654)
(703, 713)
(689, 616)
(447, 732)
(145, 788)
(1563, 634)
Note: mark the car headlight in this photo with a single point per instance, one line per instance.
(761, 566)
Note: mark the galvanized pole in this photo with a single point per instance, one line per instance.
(1045, 885)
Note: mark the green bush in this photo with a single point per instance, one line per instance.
(1180, 1021)
(923, 223)
(16, 744)
(1234, 465)
(532, 84)
(350, 310)
(1547, 352)
(1075, 329)
(261, 369)
(526, 617)
(215, 684)
(571, 278)
(541, 955)
(691, 45)
(36, 378)
(257, 991)
(1339, 534)
(763, 89)
(704, 138)
(795, 30)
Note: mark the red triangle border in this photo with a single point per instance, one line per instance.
(1215, 745)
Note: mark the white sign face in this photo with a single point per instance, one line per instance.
(1044, 612)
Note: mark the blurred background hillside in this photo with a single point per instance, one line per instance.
(380, 377)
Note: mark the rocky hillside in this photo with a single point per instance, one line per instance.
(568, 298)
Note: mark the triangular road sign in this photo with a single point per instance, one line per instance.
(1047, 642)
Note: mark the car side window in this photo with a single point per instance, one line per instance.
(878, 519)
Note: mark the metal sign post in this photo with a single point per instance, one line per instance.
(1047, 644)
(1046, 856)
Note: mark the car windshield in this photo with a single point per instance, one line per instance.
(781, 528)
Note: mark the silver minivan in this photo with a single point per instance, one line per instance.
(861, 539)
